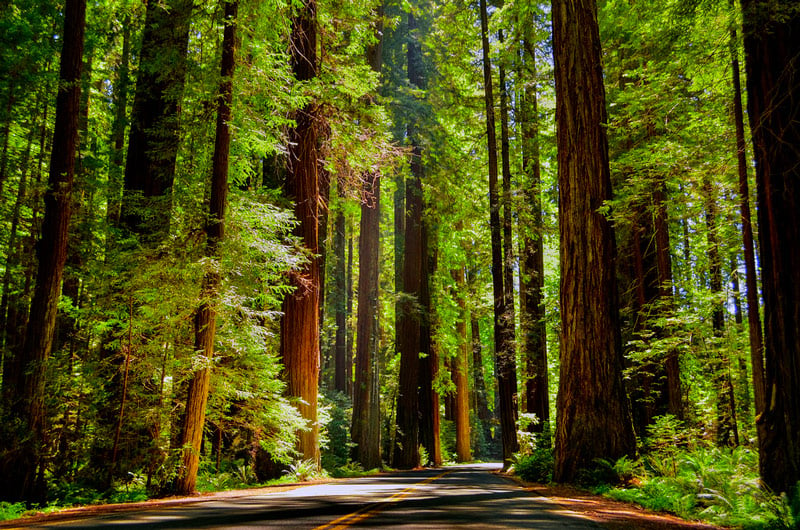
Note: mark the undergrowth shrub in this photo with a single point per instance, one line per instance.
(718, 485)
(10, 510)
(536, 466)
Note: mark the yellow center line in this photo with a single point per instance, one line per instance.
(370, 510)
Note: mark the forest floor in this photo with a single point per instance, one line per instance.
(608, 513)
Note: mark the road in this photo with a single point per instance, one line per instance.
(461, 496)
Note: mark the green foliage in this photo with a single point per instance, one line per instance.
(303, 470)
(10, 510)
(716, 485)
(236, 475)
(536, 466)
(349, 469)
(529, 440)
(447, 439)
(334, 413)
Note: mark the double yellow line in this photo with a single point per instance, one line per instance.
(370, 510)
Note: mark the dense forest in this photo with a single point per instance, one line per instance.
(243, 240)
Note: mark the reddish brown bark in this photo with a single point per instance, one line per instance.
(340, 300)
(772, 47)
(406, 454)
(461, 372)
(300, 323)
(532, 325)
(366, 432)
(751, 276)
(593, 416)
(429, 359)
(205, 318)
(503, 328)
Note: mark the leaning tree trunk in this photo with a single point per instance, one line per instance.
(205, 318)
(593, 416)
(300, 322)
(22, 465)
(772, 47)
(506, 365)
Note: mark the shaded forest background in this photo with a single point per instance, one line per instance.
(246, 239)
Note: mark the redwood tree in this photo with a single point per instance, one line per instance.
(366, 427)
(772, 48)
(155, 133)
(205, 318)
(406, 454)
(300, 323)
(593, 416)
(532, 325)
(503, 327)
(22, 465)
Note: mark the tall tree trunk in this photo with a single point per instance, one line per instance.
(772, 47)
(300, 323)
(155, 133)
(510, 352)
(117, 168)
(751, 277)
(537, 392)
(348, 344)
(593, 416)
(506, 365)
(205, 318)
(461, 371)
(22, 465)
(365, 431)
(406, 453)
(429, 358)
(366, 427)
(340, 299)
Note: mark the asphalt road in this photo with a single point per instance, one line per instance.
(468, 496)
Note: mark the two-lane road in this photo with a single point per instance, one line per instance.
(460, 496)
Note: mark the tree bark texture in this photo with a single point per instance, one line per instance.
(406, 453)
(366, 432)
(366, 427)
(205, 318)
(593, 416)
(772, 48)
(751, 276)
(22, 465)
(532, 325)
(155, 133)
(461, 371)
(300, 323)
(340, 301)
(429, 358)
(506, 365)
